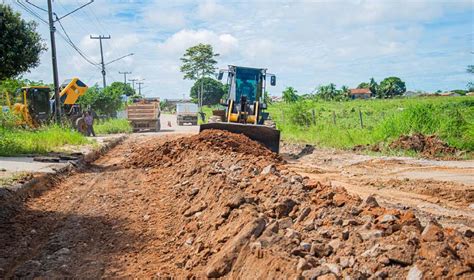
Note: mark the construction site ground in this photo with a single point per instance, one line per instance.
(146, 209)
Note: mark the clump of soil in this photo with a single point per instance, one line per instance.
(218, 141)
(245, 216)
(429, 146)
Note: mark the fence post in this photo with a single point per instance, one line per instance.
(334, 117)
(360, 117)
(314, 116)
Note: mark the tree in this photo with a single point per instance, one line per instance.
(266, 98)
(328, 92)
(345, 91)
(373, 86)
(363, 85)
(105, 101)
(126, 89)
(392, 86)
(213, 91)
(470, 69)
(470, 85)
(290, 95)
(20, 44)
(198, 62)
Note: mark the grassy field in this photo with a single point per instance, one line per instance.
(23, 141)
(338, 124)
(112, 126)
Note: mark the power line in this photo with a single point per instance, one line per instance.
(71, 43)
(31, 12)
(52, 31)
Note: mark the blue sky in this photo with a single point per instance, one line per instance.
(306, 43)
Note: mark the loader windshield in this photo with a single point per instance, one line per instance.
(247, 83)
(38, 99)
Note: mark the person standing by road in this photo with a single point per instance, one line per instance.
(89, 119)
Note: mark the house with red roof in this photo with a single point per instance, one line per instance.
(362, 93)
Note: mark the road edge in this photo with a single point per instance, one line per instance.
(12, 196)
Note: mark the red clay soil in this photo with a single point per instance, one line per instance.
(219, 205)
(429, 146)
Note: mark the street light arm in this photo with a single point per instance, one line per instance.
(130, 54)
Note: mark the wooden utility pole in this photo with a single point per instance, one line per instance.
(100, 38)
(52, 29)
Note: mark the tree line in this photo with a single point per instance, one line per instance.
(388, 88)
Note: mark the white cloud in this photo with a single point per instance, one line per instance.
(173, 19)
(304, 42)
(209, 9)
(223, 44)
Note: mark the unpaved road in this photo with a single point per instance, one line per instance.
(434, 189)
(95, 219)
(116, 222)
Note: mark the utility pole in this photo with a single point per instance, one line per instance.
(140, 88)
(52, 29)
(124, 80)
(125, 76)
(54, 58)
(133, 83)
(101, 37)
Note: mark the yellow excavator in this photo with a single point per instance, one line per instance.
(34, 105)
(245, 107)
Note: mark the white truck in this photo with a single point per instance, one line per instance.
(187, 113)
(144, 115)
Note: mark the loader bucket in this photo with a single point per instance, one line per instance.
(267, 136)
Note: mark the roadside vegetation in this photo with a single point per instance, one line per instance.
(112, 126)
(367, 122)
(17, 140)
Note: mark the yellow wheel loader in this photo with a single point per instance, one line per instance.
(34, 106)
(244, 112)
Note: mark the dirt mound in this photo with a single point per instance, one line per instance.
(218, 141)
(245, 216)
(429, 146)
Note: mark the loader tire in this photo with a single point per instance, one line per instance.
(81, 126)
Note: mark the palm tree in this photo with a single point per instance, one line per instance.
(290, 95)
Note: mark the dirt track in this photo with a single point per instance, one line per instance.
(434, 189)
(124, 217)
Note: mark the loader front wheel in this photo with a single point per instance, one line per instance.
(81, 126)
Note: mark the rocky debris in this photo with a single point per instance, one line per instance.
(428, 145)
(246, 216)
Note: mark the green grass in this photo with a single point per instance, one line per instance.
(16, 141)
(451, 118)
(112, 126)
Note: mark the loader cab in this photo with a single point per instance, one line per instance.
(246, 83)
(36, 98)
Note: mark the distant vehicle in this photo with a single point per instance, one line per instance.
(144, 114)
(187, 113)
